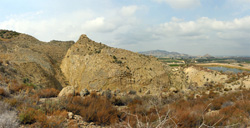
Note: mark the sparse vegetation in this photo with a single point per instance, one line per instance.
(6, 34)
(116, 60)
(94, 109)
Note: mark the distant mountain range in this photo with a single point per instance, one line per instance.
(163, 53)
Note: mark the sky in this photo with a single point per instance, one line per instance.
(195, 27)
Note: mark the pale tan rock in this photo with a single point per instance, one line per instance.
(212, 113)
(77, 117)
(92, 65)
(66, 91)
(70, 115)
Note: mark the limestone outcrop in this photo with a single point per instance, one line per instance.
(93, 65)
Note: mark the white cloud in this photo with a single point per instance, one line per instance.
(181, 4)
(129, 10)
(204, 33)
(98, 24)
(174, 19)
(70, 25)
(204, 25)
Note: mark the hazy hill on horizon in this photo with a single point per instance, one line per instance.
(165, 54)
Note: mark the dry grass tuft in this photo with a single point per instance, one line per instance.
(48, 92)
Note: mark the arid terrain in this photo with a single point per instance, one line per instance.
(89, 84)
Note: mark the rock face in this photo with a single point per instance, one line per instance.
(29, 58)
(92, 65)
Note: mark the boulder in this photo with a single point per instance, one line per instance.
(70, 115)
(66, 91)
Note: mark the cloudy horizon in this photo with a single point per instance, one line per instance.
(194, 27)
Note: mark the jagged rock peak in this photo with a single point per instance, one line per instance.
(84, 39)
(83, 36)
(84, 42)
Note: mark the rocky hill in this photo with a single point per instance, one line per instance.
(84, 64)
(93, 65)
(165, 54)
(24, 58)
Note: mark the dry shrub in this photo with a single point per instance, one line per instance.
(213, 119)
(99, 110)
(217, 103)
(50, 106)
(41, 117)
(15, 87)
(93, 94)
(48, 92)
(135, 106)
(12, 102)
(188, 116)
(3, 92)
(232, 115)
(55, 120)
(188, 113)
(75, 105)
(94, 109)
(244, 105)
(27, 116)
